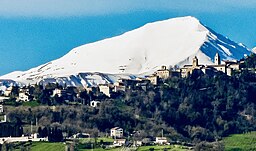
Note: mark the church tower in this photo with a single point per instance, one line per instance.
(217, 59)
(195, 62)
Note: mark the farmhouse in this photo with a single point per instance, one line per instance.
(161, 140)
(116, 132)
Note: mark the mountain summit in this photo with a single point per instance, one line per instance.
(141, 51)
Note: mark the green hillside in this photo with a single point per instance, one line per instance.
(241, 142)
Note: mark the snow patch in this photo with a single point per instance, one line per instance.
(225, 50)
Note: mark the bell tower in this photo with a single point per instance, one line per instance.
(195, 62)
(217, 59)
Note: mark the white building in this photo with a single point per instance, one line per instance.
(116, 132)
(21, 139)
(94, 103)
(3, 98)
(163, 73)
(2, 115)
(81, 135)
(161, 140)
(8, 91)
(104, 88)
(153, 79)
(23, 97)
(58, 92)
(119, 86)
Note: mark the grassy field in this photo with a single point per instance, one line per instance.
(143, 148)
(45, 146)
(99, 140)
(101, 149)
(241, 142)
(31, 103)
(161, 148)
(104, 139)
(236, 142)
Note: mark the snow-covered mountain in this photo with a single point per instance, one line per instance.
(254, 49)
(138, 52)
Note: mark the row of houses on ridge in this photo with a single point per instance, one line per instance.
(144, 83)
(227, 67)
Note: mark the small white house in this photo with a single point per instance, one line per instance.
(116, 132)
(3, 98)
(81, 135)
(119, 88)
(161, 140)
(58, 92)
(23, 97)
(94, 103)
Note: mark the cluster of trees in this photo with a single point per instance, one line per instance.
(197, 108)
(11, 129)
(54, 134)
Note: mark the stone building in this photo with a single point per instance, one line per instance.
(228, 67)
(188, 69)
(163, 73)
(153, 79)
(119, 86)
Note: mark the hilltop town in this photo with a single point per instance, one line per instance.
(71, 94)
(123, 95)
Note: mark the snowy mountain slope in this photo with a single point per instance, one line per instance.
(254, 49)
(141, 51)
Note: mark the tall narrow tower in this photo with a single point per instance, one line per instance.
(195, 62)
(217, 59)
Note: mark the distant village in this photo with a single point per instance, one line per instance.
(73, 95)
(228, 67)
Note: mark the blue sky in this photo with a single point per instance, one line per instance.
(33, 32)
